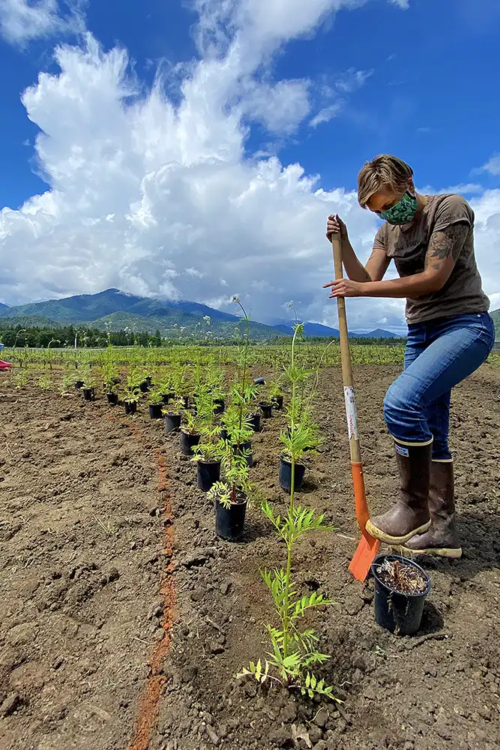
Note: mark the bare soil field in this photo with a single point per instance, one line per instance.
(124, 619)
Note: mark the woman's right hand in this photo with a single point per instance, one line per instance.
(335, 225)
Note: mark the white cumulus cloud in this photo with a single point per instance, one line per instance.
(156, 197)
(492, 166)
(21, 21)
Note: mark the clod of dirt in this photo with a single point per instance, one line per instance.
(280, 737)
(195, 559)
(321, 718)
(402, 577)
(10, 704)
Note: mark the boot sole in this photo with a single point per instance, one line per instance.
(395, 540)
(448, 552)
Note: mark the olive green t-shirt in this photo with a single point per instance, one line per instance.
(408, 246)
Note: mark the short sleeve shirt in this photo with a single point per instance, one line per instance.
(408, 245)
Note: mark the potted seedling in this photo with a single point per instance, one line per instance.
(89, 384)
(165, 389)
(401, 587)
(230, 496)
(173, 415)
(131, 396)
(266, 405)
(111, 377)
(298, 439)
(155, 403)
(238, 430)
(276, 394)
(208, 457)
(146, 381)
(190, 433)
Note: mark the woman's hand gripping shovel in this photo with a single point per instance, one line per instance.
(368, 546)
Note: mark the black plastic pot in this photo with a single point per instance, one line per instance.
(277, 401)
(89, 394)
(243, 448)
(259, 381)
(166, 397)
(267, 410)
(155, 411)
(219, 405)
(254, 420)
(130, 407)
(172, 422)
(188, 441)
(149, 380)
(144, 386)
(79, 384)
(112, 398)
(224, 435)
(208, 474)
(230, 522)
(186, 402)
(286, 475)
(394, 611)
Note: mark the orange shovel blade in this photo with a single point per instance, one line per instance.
(368, 546)
(365, 554)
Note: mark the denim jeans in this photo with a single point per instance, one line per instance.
(439, 355)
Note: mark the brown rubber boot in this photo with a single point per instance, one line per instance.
(410, 515)
(442, 537)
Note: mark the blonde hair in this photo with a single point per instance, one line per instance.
(384, 171)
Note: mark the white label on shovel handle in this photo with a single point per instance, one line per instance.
(352, 414)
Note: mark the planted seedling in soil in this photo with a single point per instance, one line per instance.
(294, 653)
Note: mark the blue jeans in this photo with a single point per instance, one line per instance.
(439, 355)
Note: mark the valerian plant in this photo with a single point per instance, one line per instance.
(294, 651)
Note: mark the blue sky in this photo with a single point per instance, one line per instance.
(130, 188)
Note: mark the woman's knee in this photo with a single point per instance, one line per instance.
(396, 404)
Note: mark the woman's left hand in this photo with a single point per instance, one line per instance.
(345, 288)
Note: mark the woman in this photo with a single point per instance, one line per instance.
(450, 334)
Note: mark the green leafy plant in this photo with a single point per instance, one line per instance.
(88, 376)
(294, 653)
(132, 393)
(236, 477)
(67, 384)
(45, 381)
(174, 407)
(155, 396)
(211, 448)
(21, 378)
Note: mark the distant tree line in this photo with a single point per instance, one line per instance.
(92, 338)
(67, 336)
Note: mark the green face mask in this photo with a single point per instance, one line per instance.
(403, 212)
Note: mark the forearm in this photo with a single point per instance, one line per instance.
(409, 286)
(354, 269)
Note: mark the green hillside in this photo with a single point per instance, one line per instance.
(113, 310)
(27, 321)
(174, 324)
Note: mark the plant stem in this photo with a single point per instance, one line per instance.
(286, 618)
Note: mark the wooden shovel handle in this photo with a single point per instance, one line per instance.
(345, 353)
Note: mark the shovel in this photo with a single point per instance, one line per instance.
(368, 546)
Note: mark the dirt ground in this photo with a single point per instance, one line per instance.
(124, 619)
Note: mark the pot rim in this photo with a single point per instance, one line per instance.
(407, 561)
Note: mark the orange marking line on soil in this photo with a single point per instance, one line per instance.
(150, 700)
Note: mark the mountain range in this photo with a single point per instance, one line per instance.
(114, 310)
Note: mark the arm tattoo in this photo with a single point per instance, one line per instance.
(444, 243)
